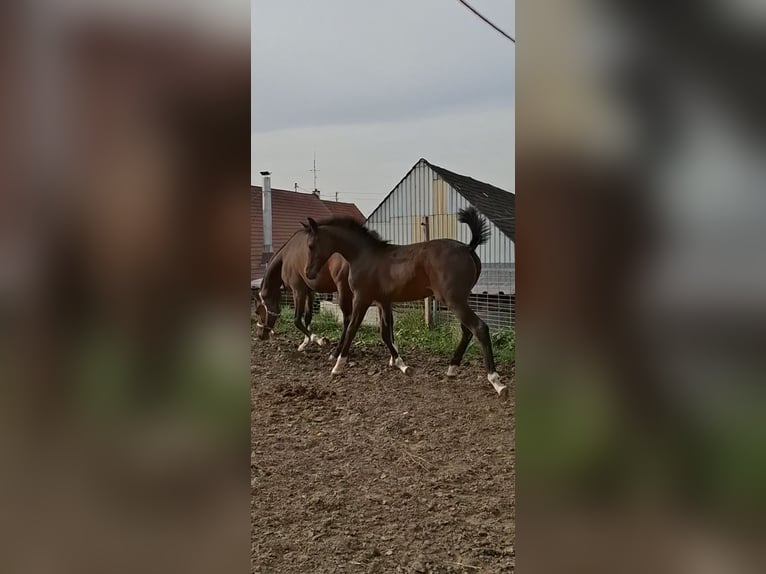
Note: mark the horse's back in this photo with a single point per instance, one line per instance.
(437, 267)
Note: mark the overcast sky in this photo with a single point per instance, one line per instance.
(371, 87)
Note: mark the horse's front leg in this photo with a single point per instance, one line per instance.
(336, 352)
(309, 315)
(357, 315)
(345, 302)
(299, 301)
(386, 315)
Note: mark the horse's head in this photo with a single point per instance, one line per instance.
(267, 312)
(319, 246)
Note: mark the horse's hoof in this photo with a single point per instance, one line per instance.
(452, 371)
(408, 371)
(338, 368)
(500, 388)
(323, 341)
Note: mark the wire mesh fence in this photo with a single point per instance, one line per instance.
(498, 310)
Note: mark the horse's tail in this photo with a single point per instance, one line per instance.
(478, 225)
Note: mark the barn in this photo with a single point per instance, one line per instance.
(424, 205)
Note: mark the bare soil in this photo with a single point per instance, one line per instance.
(375, 471)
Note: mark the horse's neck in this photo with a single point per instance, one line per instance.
(272, 279)
(348, 244)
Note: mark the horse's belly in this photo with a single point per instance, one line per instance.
(407, 283)
(410, 294)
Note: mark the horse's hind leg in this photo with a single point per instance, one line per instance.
(386, 315)
(480, 330)
(457, 357)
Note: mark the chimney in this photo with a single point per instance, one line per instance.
(266, 195)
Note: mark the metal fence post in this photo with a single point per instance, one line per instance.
(428, 317)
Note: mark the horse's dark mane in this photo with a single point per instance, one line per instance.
(346, 222)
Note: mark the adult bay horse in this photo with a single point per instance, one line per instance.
(383, 273)
(287, 267)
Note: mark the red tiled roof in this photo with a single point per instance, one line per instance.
(343, 208)
(288, 210)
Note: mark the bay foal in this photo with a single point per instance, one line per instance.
(383, 273)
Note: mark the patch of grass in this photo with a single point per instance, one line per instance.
(324, 324)
(411, 333)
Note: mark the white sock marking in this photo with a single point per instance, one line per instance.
(338, 368)
(398, 362)
(452, 371)
(302, 346)
(501, 389)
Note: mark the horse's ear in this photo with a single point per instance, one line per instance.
(312, 225)
(305, 226)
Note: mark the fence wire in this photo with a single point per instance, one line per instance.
(498, 311)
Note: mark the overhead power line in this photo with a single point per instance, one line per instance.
(472, 9)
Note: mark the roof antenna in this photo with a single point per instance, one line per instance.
(315, 170)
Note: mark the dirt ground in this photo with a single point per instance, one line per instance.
(375, 471)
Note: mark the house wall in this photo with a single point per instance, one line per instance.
(422, 193)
